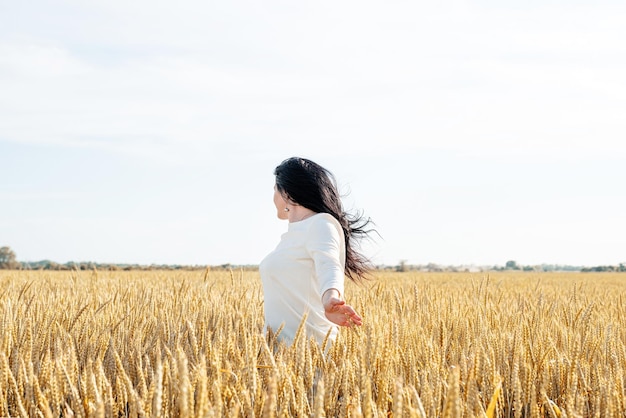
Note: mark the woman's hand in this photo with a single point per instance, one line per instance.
(337, 311)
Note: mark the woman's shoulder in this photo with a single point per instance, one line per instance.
(323, 217)
(324, 220)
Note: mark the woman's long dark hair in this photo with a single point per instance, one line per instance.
(308, 184)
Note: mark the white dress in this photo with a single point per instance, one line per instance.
(308, 261)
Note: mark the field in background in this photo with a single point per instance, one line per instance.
(432, 344)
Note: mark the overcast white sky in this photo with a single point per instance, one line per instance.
(470, 132)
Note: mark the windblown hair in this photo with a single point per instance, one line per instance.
(308, 184)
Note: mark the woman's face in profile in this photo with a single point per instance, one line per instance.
(280, 203)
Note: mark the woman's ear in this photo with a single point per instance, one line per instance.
(288, 198)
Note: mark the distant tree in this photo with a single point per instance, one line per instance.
(433, 267)
(402, 266)
(511, 265)
(7, 259)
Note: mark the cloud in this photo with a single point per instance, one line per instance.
(176, 81)
(20, 61)
(13, 196)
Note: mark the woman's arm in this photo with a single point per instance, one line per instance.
(325, 245)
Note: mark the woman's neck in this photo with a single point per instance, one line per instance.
(299, 213)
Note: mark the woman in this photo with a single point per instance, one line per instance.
(304, 275)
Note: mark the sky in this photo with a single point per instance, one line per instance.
(470, 132)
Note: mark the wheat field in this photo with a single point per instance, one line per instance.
(167, 343)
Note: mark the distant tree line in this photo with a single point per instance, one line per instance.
(73, 265)
(8, 261)
(513, 265)
(620, 268)
(51, 265)
(510, 265)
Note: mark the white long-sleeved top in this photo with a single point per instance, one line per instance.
(308, 261)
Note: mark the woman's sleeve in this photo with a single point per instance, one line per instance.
(325, 245)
